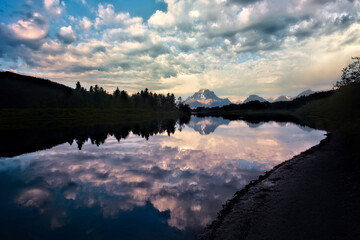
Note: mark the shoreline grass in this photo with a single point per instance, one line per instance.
(23, 118)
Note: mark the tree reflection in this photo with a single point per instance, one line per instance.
(17, 142)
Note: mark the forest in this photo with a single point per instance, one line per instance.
(20, 91)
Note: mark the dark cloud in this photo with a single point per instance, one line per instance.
(80, 68)
(153, 50)
(155, 172)
(244, 2)
(67, 35)
(317, 28)
(344, 21)
(271, 25)
(321, 2)
(350, 40)
(99, 49)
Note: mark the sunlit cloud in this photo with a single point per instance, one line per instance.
(234, 47)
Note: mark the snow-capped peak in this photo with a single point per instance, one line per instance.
(206, 98)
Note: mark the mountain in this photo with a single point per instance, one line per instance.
(305, 93)
(270, 100)
(206, 98)
(282, 99)
(206, 125)
(254, 98)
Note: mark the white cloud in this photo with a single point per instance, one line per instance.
(85, 23)
(67, 35)
(106, 16)
(176, 16)
(54, 7)
(33, 28)
(162, 19)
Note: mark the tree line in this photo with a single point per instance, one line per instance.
(97, 97)
(19, 91)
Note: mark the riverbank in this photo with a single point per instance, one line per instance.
(312, 196)
(34, 118)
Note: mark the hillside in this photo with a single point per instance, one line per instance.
(341, 110)
(19, 91)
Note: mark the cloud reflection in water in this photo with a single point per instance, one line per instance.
(187, 174)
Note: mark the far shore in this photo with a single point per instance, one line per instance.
(34, 118)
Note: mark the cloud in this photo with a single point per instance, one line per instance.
(33, 28)
(229, 46)
(67, 35)
(161, 19)
(54, 7)
(106, 16)
(189, 174)
(83, 2)
(85, 23)
(244, 2)
(35, 198)
(23, 36)
(179, 14)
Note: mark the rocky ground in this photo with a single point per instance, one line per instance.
(315, 195)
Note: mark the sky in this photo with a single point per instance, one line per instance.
(233, 47)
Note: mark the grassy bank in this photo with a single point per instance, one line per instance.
(69, 117)
(340, 111)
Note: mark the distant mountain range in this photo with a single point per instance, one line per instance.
(305, 93)
(282, 98)
(254, 97)
(206, 98)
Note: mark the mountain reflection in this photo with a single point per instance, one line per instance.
(206, 125)
(180, 179)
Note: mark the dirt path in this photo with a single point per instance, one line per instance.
(315, 195)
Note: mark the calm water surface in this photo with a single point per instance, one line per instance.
(166, 187)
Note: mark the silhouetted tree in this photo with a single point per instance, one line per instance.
(78, 86)
(116, 92)
(350, 74)
(182, 106)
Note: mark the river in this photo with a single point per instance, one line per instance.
(159, 185)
